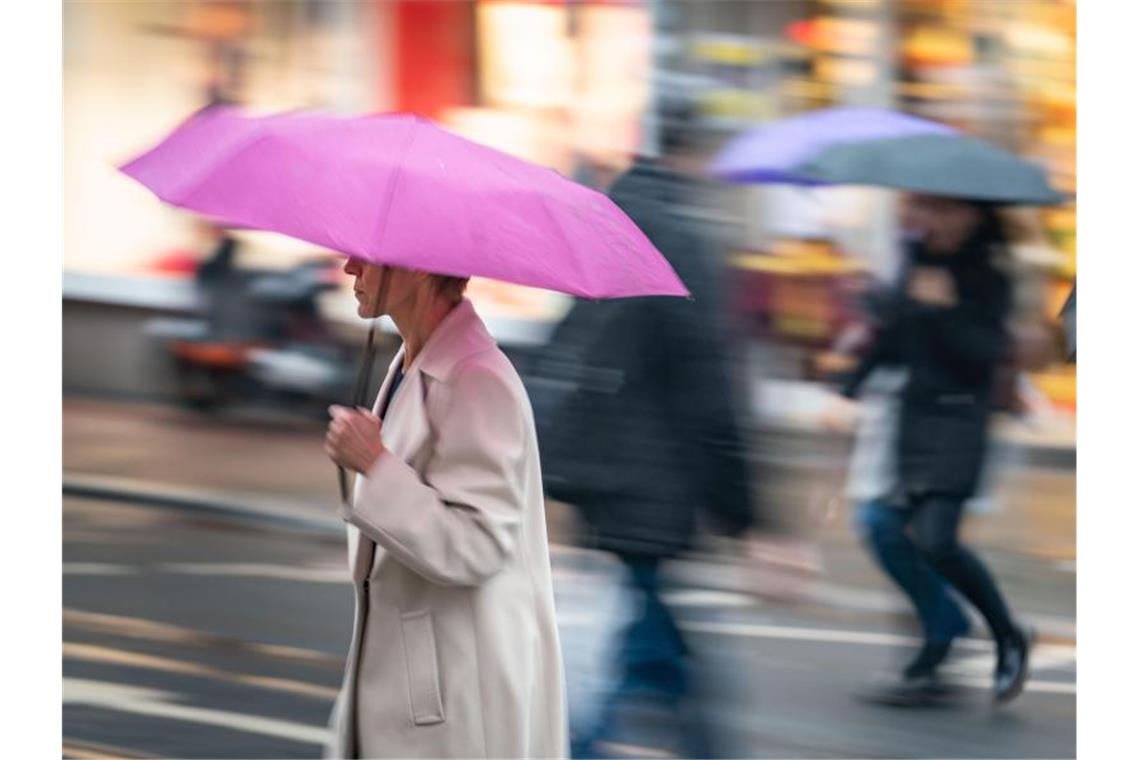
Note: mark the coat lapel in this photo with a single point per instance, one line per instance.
(360, 547)
(406, 426)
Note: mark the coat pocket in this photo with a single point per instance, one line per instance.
(423, 668)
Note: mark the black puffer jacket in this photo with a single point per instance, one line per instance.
(637, 427)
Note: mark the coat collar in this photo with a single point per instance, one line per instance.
(461, 334)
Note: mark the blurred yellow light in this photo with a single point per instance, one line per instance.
(806, 89)
(931, 90)
(733, 52)
(846, 71)
(938, 46)
(798, 258)
(738, 104)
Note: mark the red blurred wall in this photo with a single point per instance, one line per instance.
(435, 55)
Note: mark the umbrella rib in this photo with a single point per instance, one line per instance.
(397, 175)
(583, 272)
(257, 134)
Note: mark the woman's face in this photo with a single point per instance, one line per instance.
(401, 287)
(942, 224)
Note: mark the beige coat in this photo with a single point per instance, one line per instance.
(455, 649)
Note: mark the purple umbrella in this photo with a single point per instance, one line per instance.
(400, 190)
(773, 153)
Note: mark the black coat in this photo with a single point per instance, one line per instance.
(952, 356)
(633, 402)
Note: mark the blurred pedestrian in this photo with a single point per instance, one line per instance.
(879, 522)
(944, 327)
(219, 280)
(638, 430)
(455, 649)
(1069, 324)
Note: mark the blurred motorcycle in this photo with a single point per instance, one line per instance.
(260, 338)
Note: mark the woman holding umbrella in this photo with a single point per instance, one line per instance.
(460, 653)
(455, 649)
(945, 326)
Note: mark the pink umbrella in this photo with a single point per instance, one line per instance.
(400, 190)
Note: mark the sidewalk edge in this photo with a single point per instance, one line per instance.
(250, 508)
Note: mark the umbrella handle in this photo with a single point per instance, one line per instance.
(342, 478)
(363, 378)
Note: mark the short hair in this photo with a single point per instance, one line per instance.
(449, 286)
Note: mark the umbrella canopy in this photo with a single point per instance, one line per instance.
(949, 165)
(400, 190)
(773, 153)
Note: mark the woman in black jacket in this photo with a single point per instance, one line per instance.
(945, 324)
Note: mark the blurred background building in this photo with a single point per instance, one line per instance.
(574, 84)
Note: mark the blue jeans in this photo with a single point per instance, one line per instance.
(883, 529)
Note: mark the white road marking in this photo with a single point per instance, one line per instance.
(109, 656)
(1048, 652)
(152, 702)
(758, 630)
(87, 750)
(581, 619)
(98, 568)
(1043, 658)
(633, 750)
(709, 598)
(153, 630)
(1044, 687)
(336, 575)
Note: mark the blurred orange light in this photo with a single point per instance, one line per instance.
(219, 21)
(804, 32)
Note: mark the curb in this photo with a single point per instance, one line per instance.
(294, 516)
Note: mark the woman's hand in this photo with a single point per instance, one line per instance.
(932, 286)
(353, 439)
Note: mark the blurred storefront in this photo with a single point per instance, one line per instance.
(554, 82)
(573, 84)
(1004, 71)
(133, 70)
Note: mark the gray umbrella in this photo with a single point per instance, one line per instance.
(947, 165)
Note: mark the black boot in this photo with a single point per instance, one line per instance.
(927, 660)
(1013, 664)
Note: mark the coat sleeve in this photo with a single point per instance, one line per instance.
(458, 524)
(885, 349)
(881, 351)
